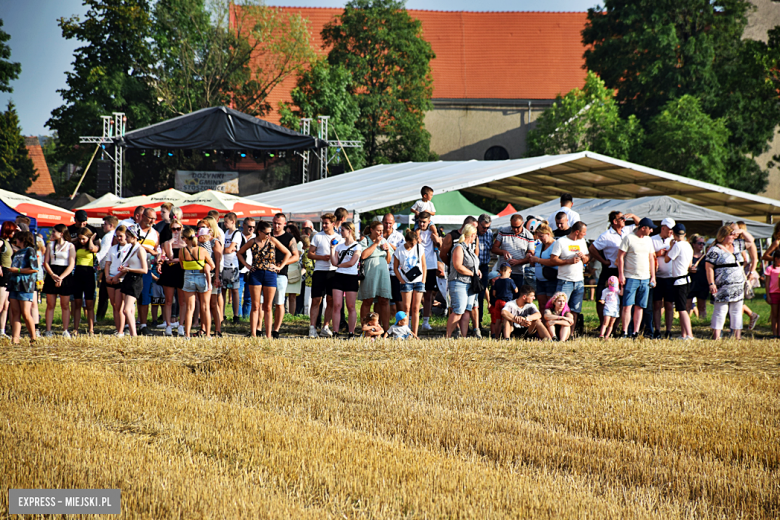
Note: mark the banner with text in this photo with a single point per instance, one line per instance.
(196, 181)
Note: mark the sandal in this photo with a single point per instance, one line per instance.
(200, 333)
(218, 334)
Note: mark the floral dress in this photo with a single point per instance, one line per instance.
(729, 276)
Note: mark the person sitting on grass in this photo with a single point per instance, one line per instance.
(521, 317)
(400, 330)
(558, 318)
(610, 302)
(773, 291)
(371, 328)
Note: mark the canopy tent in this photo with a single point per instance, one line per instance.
(9, 213)
(45, 214)
(508, 210)
(82, 200)
(595, 213)
(197, 206)
(218, 128)
(521, 182)
(126, 208)
(101, 207)
(451, 209)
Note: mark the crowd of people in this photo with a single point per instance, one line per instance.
(530, 277)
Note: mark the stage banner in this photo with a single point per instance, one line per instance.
(197, 181)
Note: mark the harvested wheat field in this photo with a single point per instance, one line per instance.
(296, 428)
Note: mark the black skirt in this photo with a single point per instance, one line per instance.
(50, 286)
(133, 285)
(172, 275)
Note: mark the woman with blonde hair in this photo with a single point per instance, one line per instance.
(726, 281)
(196, 263)
(215, 247)
(557, 317)
(541, 258)
(464, 265)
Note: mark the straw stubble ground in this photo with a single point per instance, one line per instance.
(324, 428)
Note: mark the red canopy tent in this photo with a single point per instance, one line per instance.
(508, 210)
(47, 215)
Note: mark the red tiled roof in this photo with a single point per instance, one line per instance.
(484, 55)
(42, 185)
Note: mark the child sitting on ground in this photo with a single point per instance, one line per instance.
(400, 330)
(773, 292)
(610, 299)
(372, 328)
(504, 290)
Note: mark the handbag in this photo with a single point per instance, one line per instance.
(476, 284)
(414, 272)
(550, 273)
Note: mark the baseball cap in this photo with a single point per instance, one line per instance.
(679, 229)
(492, 275)
(81, 216)
(646, 222)
(400, 315)
(668, 222)
(132, 230)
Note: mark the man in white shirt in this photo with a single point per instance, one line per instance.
(680, 257)
(569, 253)
(430, 241)
(636, 272)
(231, 275)
(396, 240)
(322, 278)
(135, 220)
(663, 297)
(566, 205)
(605, 249)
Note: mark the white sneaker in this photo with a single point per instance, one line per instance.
(142, 326)
(163, 325)
(175, 324)
(181, 330)
(120, 334)
(4, 335)
(753, 321)
(47, 334)
(313, 332)
(326, 333)
(426, 326)
(65, 334)
(168, 331)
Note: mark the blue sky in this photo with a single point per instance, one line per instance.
(37, 43)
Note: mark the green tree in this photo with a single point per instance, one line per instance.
(654, 52)
(383, 48)
(682, 139)
(9, 70)
(324, 90)
(107, 77)
(585, 119)
(17, 172)
(224, 54)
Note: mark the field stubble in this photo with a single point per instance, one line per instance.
(324, 428)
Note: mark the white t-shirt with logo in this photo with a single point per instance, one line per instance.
(664, 268)
(351, 251)
(321, 243)
(115, 256)
(636, 263)
(682, 256)
(230, 260)
(566, 249)
(408, 259)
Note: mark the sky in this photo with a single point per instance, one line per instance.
(37, 43)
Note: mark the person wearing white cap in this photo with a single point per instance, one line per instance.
(663, 294)
(680, 257)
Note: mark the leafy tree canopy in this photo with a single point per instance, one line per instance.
(383, 48)
(17, 172)
(9, 70)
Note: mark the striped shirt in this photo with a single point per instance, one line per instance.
(516, 244)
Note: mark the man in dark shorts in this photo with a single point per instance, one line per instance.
(322, 278)
(428, 238)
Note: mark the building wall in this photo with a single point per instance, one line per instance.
(465, 129)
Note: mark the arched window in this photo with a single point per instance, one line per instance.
(496, 153)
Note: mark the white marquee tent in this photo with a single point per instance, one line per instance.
(520, 182)
(595, 213)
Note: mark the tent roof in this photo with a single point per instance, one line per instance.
(521, 182)
(452, 203)
(219, 128)
(595, 213)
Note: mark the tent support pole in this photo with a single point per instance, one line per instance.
(85, 172)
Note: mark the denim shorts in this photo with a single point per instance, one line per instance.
(575, 292)
(194, 281)
(636, 292)
(262, 277)
(545, 287)
(460, 299)
(21, 296)
(413, 287)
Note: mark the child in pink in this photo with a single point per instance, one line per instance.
(610, 299)
(773, 291)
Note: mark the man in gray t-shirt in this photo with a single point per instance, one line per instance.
(512, 246)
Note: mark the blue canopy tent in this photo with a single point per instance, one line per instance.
(8, 213)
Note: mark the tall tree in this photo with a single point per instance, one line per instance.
(9, 70)
(324, 90)
(17, 172)
(224, 54)
(655, 51)
(382, 46)
(585, 119)
(107, 76)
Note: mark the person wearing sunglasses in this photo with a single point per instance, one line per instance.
(514, 246)
(171, 273)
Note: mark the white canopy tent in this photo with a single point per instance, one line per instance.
(595, 213)
(520, 182)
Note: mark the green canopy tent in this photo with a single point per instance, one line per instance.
(451, 209)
